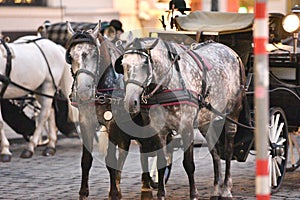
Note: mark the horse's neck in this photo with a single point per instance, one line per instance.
(105, 55)
(165, 69)
(110, 80)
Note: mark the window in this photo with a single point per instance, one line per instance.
(22, 2)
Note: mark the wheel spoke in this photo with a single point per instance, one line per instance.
(278, 172)
(281, 141)
(279, 130)
(274, 177)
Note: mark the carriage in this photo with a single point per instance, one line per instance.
(284, 83)
(235, 31)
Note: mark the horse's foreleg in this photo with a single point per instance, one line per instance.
(188, 163)
(5, 155)
(46, 104)
(123, 152)
(87, 130)
(230, 131)
(212, 138)
(86, 164)
(52, 135)
(161, 168)
(111, 165)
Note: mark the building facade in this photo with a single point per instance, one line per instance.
(27, 15)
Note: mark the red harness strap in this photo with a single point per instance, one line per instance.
(196, 58)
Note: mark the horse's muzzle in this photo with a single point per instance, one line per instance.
(132, 105)
(85, 93)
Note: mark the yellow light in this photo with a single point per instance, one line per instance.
(291, 23)
(18, 1)
(107, 115)
(243, 9)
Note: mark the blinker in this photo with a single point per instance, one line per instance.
(118, 65)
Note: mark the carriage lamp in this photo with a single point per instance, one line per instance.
(107, 115)
(291, 24)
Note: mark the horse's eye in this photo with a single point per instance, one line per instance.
(146, 62)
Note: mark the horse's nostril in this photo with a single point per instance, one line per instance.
(135, 103)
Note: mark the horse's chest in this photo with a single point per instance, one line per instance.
(172, 117)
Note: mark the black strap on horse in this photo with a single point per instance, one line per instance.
(42, 52)
(193, 54)
(8, 67)
(5, 79)
(172, 53)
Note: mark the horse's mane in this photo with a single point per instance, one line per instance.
(141, 43)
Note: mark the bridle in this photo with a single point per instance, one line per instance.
(147, 54)
(77, 38)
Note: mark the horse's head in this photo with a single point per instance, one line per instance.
(137, 67)
(83, 55)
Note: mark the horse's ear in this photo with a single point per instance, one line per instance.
(129, 38)
(71, 32)
(96, 30)
(118, 65)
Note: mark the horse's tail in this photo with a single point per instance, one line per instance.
(242, 76)
(66, 116)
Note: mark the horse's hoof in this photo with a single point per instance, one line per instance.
(146, 194)
(72, 134)
(49, 151)
(226, 198)
(161, 198)
(115, 196)
(153, 184)
(5, 158)
(26, 154)
(83, 197)
(215, 198)
(194, 198)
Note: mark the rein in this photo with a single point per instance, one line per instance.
(8, 67)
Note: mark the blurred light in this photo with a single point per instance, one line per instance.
(243, 10)
(250, 9)
(291, 23)
(107, 115)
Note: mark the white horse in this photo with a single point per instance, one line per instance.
(37, 66)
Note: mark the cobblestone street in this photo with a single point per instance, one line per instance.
(59, 177)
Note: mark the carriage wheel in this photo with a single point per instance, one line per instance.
(278, 149)
(293, 161)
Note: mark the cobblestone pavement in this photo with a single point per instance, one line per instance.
(58, 177)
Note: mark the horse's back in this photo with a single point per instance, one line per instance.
(42, 54)
(221, 73)
(32, 59)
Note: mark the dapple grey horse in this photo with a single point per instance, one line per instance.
(180, 88)
(91, 56)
